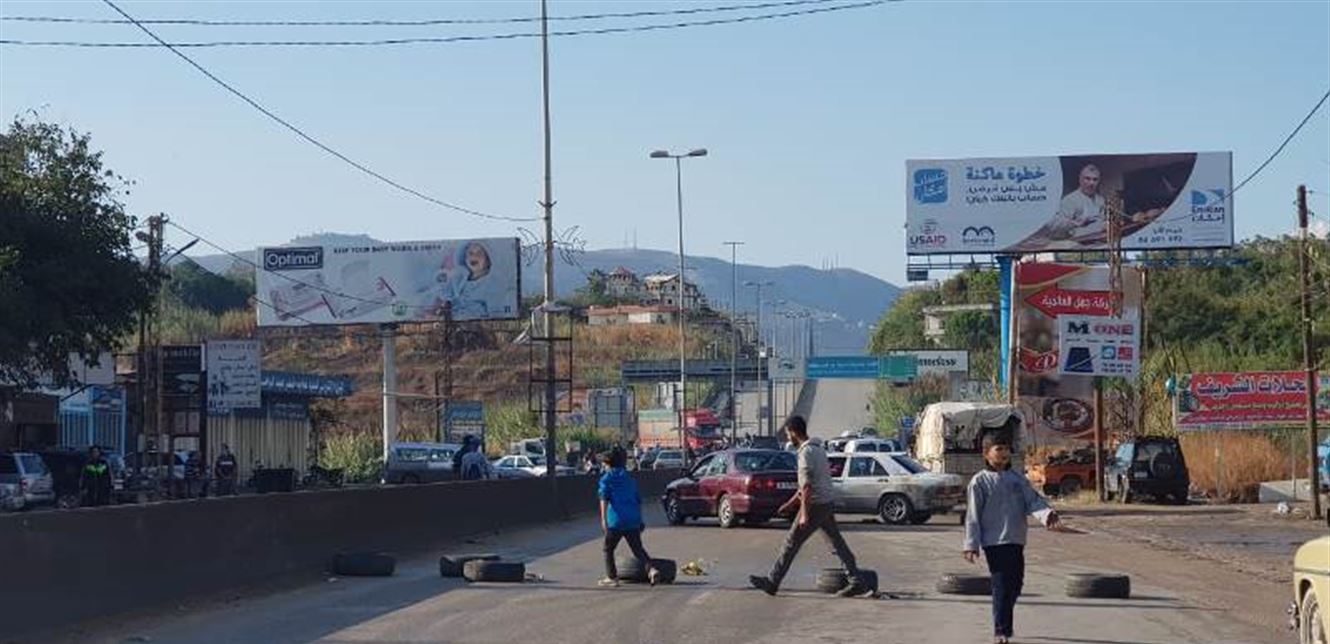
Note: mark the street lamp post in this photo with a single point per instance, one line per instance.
(734, 336)
(762, 352)
(679, 292)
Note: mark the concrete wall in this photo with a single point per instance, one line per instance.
(65, 567)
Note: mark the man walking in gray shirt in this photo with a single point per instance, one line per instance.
(816, 511)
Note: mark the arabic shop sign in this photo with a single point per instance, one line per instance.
(1249, 399)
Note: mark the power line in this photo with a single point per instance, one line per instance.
(1273, 155)
(409, 23)
(310, 139)
(430, 40)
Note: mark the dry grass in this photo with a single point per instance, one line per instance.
(1229, 466)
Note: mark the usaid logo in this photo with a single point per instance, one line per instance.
(978, 236)
(928, 236)
(1208, 205)
(930, 185)
(293, 259)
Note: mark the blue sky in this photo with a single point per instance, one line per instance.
(809, 120)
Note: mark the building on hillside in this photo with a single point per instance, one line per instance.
(629, 314)
(664, 289)
(623, 284)
(935, 318)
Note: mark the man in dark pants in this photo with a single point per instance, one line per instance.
(816, 511)
(225, 470)
(95, 480)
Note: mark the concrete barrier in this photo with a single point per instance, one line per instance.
(69, 566)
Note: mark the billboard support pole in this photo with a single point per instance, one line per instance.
(388, 333)
(1308, 354)
(1013, 328)
(1099, 439)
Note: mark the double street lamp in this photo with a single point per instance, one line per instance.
(679, 293)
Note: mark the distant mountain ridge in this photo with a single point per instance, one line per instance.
(846, 302)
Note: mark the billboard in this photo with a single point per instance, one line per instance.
(1060, 406)
(1035, 204)
(938, 362)
(1250, 399)
(234, 377)
(1098, 346)
(464, 418)
(900, 368)
(181, 369)
(475, 279)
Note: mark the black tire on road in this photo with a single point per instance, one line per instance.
(363, 564)
(630, 571)
(895, 509)
(725, 513)
(451, 565)
(501, 571)
(953, 584)
(1098, 586)
(672, 512)
(832, 580)
(920, 518)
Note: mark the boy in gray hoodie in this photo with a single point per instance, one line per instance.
(998, 502)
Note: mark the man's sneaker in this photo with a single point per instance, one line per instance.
(654, 576)
(609, 582)
(852, 590)
(763, 584)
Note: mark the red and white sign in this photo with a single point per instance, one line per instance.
(1248, 399)
(1054, 301)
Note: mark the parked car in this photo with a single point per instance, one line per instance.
(893, 486)
(27, 471)
(860, 445)
(11, 500)
(734, 485)
(1064, 473)
(1310, 611)
(508, 466)
(761, 442)
(420, 463)
(669, 459)
(1148, 466)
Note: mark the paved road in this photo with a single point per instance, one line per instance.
(418, 606)
(840, 405)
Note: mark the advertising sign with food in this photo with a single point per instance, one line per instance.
(1059, 406)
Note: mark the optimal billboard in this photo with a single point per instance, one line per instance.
(1251, 399)
(476, 279)
(1035, 204)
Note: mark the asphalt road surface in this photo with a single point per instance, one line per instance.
(1171, 601)
(840, 405)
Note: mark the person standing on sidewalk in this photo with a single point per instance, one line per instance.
(998, 501)
(815, 501)
(225, 470)
(621, 517)
(95, 479)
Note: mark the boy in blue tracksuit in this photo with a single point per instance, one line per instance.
(998, 502)
(621, 517)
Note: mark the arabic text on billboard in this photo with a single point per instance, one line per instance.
(1034, 204)
(1251, 399)
(234, 378)
(474, 279)
(1059, 405)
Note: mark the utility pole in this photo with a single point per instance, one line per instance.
(149, 341)
(548, 204)
(1308, 351)
(734, 336)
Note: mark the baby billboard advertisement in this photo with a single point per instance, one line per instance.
(378, 283)
(1034, 204)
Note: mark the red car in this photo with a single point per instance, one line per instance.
(734, 485)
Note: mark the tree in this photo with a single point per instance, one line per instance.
(196, 287)
(68, 278)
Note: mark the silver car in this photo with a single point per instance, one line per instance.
(669, 459)
(28, 472)
(893, 486)
(411, 463)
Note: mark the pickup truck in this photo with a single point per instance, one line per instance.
(1063, 474)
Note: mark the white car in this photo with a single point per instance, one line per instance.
(510, 466)
(860, 445)
(893, 486)
(669, 459)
